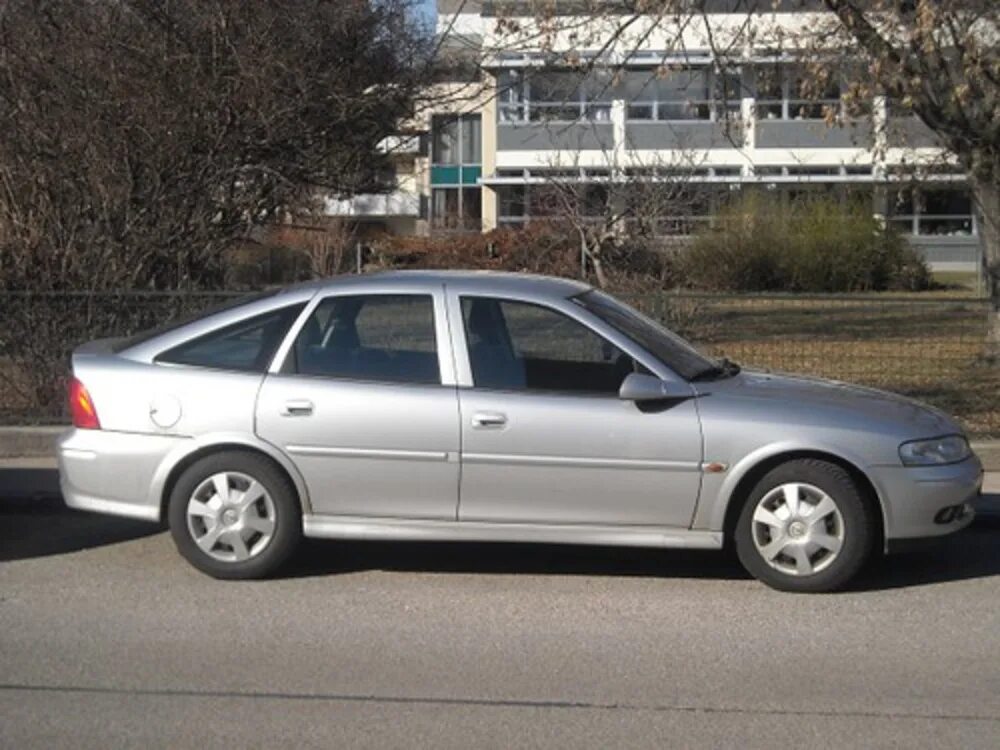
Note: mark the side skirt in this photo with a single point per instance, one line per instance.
(398, 529)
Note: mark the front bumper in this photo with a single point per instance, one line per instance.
(929, 501)
(111, 472)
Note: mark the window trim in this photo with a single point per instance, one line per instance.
(283, 363)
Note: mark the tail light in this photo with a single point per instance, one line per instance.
(81, 407)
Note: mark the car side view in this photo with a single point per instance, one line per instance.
(495, 407)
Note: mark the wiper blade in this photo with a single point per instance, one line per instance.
(729, 367)
(725, 368)
(709, 373)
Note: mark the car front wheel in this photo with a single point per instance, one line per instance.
(805, 527)
(234, 515)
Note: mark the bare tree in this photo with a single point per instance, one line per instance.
(139, 139)
(329, 249)
(942, 60)
(615, 217)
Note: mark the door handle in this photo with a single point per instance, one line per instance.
(297, 408)
(488, 419)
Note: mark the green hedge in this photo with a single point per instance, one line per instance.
(805, 245)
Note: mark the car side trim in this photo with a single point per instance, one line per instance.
(404, 529)
(401, 455)
(589, 463)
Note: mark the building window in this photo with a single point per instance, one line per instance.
(559, 96)
(787, 92)
(457, 139)
(456, 208)
(933, 212)
(691, 94)
(457, 145)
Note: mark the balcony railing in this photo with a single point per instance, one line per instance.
(398, 203)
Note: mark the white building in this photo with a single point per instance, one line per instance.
(655, 102)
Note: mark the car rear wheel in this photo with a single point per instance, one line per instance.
(234, 515)
(805, 527)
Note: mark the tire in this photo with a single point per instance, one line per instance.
(241, 537)
(780, 540)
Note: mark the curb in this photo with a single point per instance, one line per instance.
(29, 442)
(989, 453)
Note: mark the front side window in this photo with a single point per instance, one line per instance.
(246, 346)
(520, 346)
(385, 337)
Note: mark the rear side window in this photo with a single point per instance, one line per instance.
(246, 346)
(379, 337)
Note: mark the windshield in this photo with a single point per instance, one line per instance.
(665, 345)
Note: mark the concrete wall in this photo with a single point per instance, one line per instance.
(682, 135)
(555, 136)
(812, 134)
(948, 253)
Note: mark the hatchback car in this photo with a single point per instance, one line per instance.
(495, 407)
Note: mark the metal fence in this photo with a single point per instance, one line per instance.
(936, 349)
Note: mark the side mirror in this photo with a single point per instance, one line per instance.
(639, 387)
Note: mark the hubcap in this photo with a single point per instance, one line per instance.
(231, 517)
(798, 529)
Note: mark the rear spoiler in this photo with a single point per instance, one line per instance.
(98, 348)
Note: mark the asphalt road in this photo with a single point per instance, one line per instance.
(107, 639)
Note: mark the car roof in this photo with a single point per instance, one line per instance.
(480, 282)
(518, 285)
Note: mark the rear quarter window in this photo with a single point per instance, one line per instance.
(245, 346)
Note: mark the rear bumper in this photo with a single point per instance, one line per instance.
(930, 501)
(111, 472)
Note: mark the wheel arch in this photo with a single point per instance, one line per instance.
(744, 483)
(179, 460)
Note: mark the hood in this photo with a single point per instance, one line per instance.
(832, 401)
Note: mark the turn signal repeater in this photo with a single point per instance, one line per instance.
(81, 407)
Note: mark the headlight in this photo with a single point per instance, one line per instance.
(949, 449)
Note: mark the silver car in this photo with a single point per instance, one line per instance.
(495, 407)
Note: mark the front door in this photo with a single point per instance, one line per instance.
(360, 407)
(545, 438)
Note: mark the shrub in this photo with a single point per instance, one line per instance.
(811, 245)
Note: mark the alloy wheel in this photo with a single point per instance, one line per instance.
(798, 529)
(231, 517)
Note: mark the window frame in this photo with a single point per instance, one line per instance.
(790, 101)
(284, 363)
(293, 311)
(461, 221)
(562, 306)
(708, 108)
(914, 220)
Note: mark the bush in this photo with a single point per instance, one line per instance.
(812, 245)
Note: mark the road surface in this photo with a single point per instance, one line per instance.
(107, 638)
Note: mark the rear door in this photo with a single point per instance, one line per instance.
(365, 405)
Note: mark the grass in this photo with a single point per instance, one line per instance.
(961, 281)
